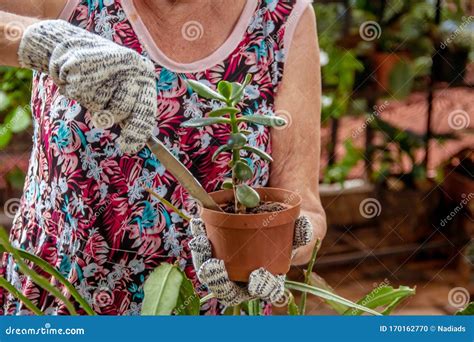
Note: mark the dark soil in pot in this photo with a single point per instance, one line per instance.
(261, 238)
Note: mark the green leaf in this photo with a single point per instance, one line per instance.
(238, 89)
(265, 120)
(292, 285)
(204, 91)
(221, 149)
(242, 170)
(5, 136)
(253, 307)
(320, 283)
(237, 140)
(20, 296)
(467, 311)
(223, 111)
(162, 289)
(225, 89)
(38, 279)
(401, 79)
(18, 120)
(15, 178)
(227, 184)
(200, 122)
(188, 303)
(247, 196)
(262, 154)
(293, 309)
(46, 267)
(383, 296)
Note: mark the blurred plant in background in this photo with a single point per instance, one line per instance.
(15, 114)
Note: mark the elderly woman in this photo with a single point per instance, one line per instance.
(111, 73)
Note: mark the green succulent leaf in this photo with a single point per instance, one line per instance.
(221, 149)
(204, 91)
(225, 89)
(242, 170)
(201, 122)
(227, 184)
(237, 140)
(238, 89)
(271, 121)
(223, 111)
(467, 311)
(260, 153)
(162, 290)
(188, 303)
(247, 196)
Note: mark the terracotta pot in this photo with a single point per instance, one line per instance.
(247, 242)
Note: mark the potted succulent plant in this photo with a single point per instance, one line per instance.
(255, 226)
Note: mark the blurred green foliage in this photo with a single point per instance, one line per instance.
(404, 27)
(15, 94)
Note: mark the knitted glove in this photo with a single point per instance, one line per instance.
(262, 284)
(113, 82)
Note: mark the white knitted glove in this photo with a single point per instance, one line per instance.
(113, 82)
(262, 284)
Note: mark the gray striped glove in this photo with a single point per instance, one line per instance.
(262, 284)
(113, 82)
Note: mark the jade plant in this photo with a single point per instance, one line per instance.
(230, 94)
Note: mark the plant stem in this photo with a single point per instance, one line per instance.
(35, 277)
(235, 159)
(20, 296)
(307, 276)
(169, 205)
(236, 310)
(206, 298)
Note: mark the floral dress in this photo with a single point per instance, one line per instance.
(85, 209)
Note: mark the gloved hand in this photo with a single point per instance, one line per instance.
(113, 82)
(262, 284)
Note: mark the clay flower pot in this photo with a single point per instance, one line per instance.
(247, 242)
